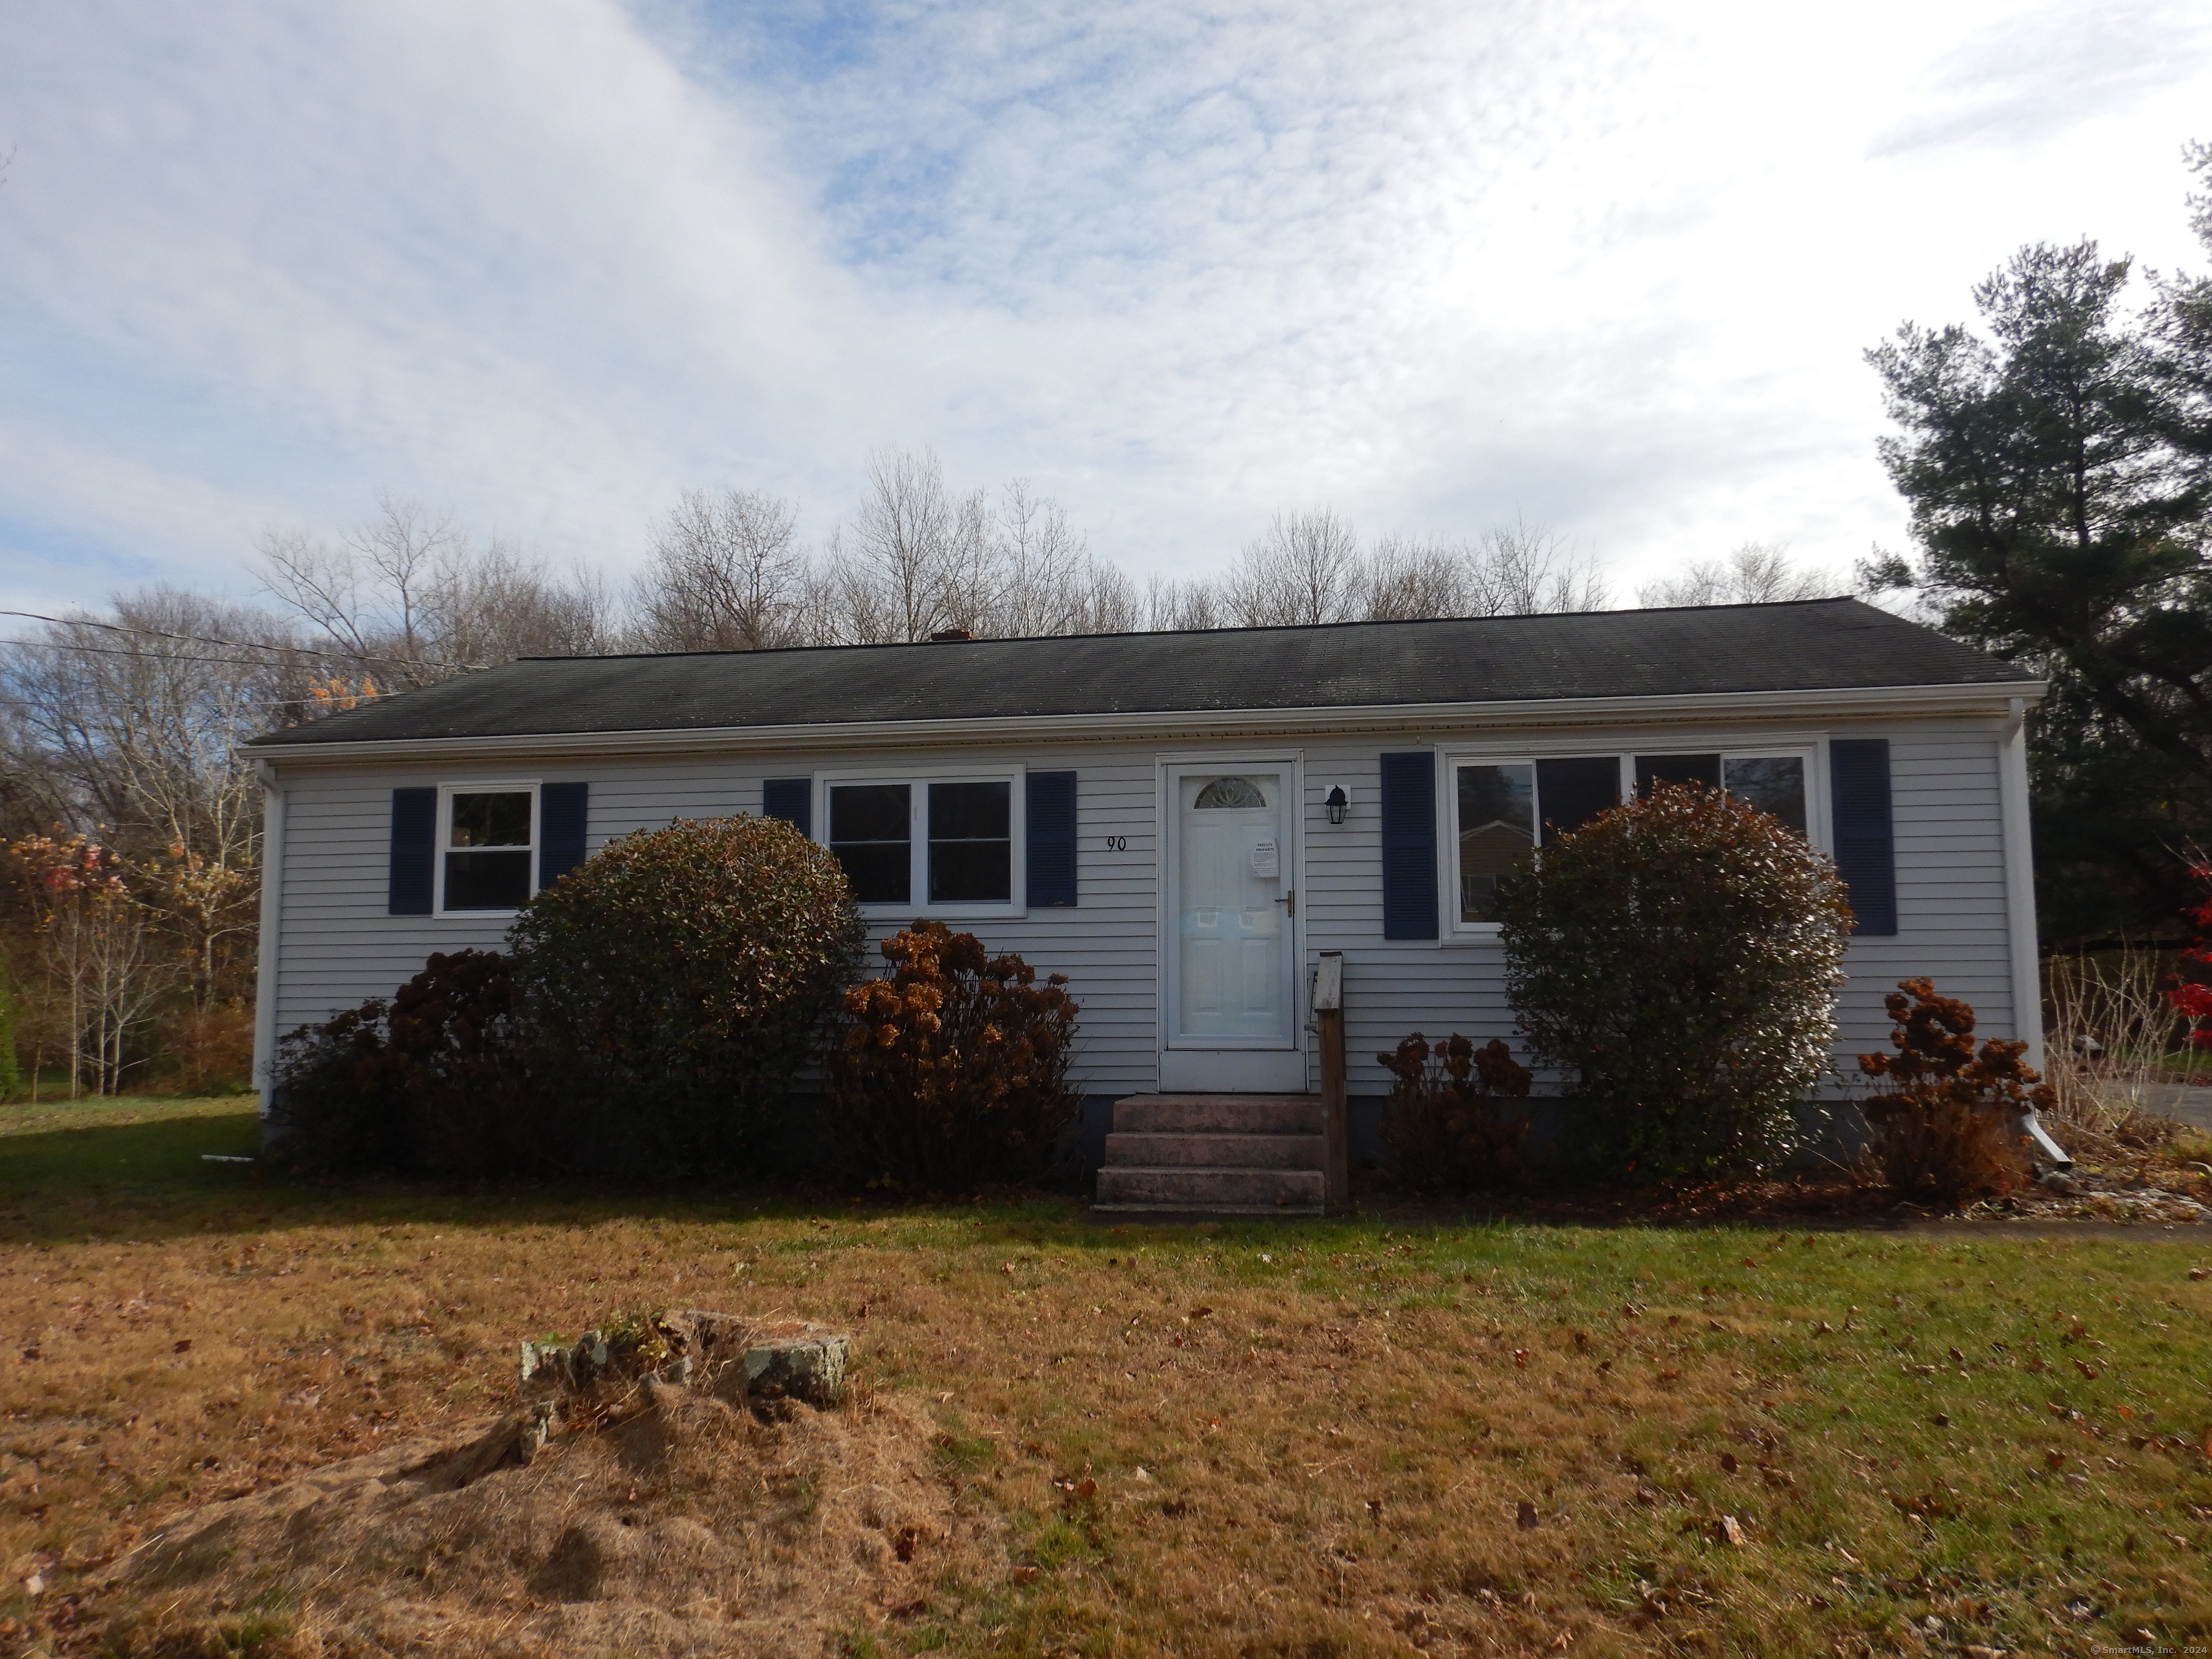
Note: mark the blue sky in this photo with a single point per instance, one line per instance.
(544, 264)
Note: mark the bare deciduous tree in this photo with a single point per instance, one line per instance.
(1307, 568)
(492, 604)
(1050, 584)
(916, 558)
(907, 564)
(1408, 579)
(368, 594)
(138, 731)
(1526, 570)
(1170, 606)
(728, 573)
(411, 599)
(1757, 572)
(93, 941)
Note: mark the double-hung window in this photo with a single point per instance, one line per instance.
(1504, 809)
(943, 845)
(487, 847)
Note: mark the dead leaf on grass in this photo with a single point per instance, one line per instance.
(1526, 1518)
(1732, 1531)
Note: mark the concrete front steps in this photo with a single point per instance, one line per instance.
(1223, 1154)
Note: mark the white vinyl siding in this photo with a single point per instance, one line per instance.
(337, 945)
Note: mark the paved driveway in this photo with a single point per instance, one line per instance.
(2180, 1100)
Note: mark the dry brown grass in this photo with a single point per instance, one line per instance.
(687, 1526)
(1329, 1438)
(1313, 1472)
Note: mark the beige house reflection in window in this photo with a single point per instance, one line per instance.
(1497, 813)
(1488, 854)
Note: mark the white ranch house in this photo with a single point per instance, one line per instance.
(1182, 823)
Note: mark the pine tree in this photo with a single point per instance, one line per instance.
(2059, 473)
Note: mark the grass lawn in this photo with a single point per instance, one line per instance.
(1342, 1437)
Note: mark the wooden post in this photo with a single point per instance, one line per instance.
(1328, 1015)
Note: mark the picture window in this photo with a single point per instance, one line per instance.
(1504, 811)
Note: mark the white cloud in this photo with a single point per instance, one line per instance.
(545, 262)
(2032, 76)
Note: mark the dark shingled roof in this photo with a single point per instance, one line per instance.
(1817, 645)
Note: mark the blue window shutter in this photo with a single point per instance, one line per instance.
(790, 799)
(1409, 845)
(563, 809)
(414, 851)
(1865, 845)
(1051, 824)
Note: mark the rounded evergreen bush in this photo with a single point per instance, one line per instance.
(1679, 958)
(673, 985)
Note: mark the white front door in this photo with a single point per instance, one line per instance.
(1231, 1019)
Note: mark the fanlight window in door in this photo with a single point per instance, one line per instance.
(1229, 793)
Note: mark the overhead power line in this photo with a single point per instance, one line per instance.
(208, 639)
(118, 651)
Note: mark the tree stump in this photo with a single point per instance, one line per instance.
(797, 1362)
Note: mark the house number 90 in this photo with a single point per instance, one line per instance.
(1117, 843)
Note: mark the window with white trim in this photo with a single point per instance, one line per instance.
(927, 845)
(1505, 808)
(487, 847)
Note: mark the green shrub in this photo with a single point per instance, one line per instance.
(951, 1072)
(432, 1081)
(1446, 1128)
(1952, 1124)
(1679, 958)
(673, 985)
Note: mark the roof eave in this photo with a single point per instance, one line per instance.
(1995, 698)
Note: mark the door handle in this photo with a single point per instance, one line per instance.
(1289, 902)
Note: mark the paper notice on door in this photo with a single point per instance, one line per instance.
(1265, 863)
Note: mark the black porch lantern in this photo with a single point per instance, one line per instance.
(1338, 802)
